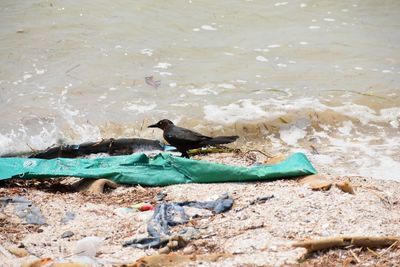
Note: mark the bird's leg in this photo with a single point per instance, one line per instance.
(185, 154)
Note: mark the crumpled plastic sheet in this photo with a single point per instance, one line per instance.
(171, 214)
(24, 209)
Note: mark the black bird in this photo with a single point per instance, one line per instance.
(185, 139)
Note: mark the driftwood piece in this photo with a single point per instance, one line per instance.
(111, 146)
(345, 241)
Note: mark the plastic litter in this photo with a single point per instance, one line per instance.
(24, 209)
(88, 246)
(164, 169)
(143, 207)
(171, 214)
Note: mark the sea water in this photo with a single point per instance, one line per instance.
(322, 77)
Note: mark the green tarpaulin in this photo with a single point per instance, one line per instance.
(164, 169)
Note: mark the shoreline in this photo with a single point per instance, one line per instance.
(255, 235)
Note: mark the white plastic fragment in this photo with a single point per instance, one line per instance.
(88, 246)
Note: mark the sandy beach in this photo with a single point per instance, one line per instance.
(251, 233)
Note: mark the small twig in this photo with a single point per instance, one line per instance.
(207, 236)
(389, 248)
(373, 252)
(355, 256)
(253, 227)
(31, 148)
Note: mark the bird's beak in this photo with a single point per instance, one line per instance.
(152, 126)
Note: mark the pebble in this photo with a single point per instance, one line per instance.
(189, 250)
(67, 234)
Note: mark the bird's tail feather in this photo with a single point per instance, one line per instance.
(220, 140)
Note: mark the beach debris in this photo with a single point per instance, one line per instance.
(283, 120)
(171, 260)
(18, 251)
(88, 246)
(94, 186)
(123, 211)
(319, 182)
(220, 205)
(171, 214)
(142, 169)
(261, 200)
(24, 209)
(150, 81)
(348, 241)
(345, 186)
(143, 206)
(258, 200)
(316, 182)
(121, 146)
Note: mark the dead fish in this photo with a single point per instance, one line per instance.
(150, 81)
